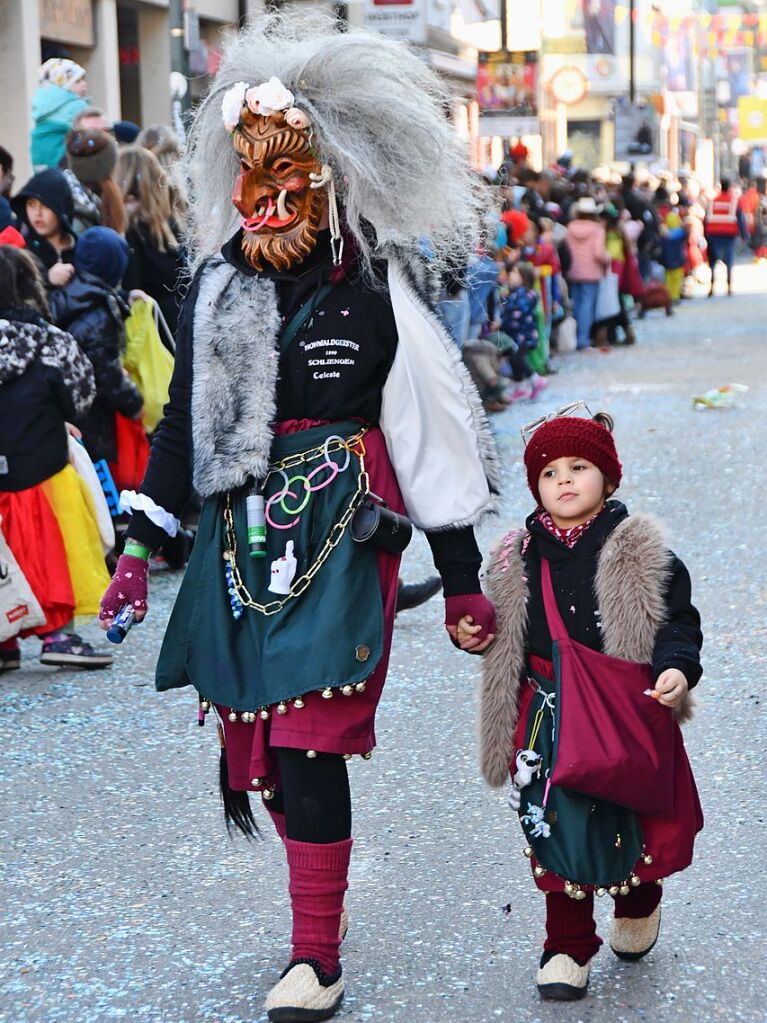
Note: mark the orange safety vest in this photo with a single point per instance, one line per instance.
(722, 216)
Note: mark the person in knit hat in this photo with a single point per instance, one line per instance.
(615, 590)
(55, 105)
(92, 157)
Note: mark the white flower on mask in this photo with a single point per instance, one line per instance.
(269, 97)
(231, 105)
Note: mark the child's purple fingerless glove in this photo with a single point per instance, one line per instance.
(129, 586)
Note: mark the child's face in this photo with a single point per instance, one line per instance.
(42, 219)
(572, 490)
(515, 278)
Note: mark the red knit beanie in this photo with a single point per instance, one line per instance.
(571, 437)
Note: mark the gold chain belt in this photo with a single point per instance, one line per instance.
(356, 446)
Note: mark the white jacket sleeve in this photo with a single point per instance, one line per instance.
(436, 431)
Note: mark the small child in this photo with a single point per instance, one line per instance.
(619, 592)
(673, 241)
(518, 320)
(93, 311)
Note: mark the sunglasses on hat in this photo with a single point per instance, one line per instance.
(566, 410)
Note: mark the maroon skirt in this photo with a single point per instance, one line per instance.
(343, 724)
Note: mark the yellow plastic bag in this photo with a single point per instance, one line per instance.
(148, 361)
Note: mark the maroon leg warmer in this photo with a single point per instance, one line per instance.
(640, 902)
(570, 926)
(318, 881)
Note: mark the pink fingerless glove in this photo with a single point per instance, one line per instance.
(129, 586)
(475, 604)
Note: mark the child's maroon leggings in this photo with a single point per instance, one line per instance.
(570, 926)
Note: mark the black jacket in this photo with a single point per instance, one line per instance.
(157, 273)
(45, 380)
(351, 306)
(573, 572)
(94, 314)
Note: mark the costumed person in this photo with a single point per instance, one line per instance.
(48, 516)
(58, 100)
(312, 373)
(673, 244)
(597, 649)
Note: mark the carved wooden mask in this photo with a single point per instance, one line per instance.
(280, 212)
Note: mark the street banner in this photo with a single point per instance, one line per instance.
(507, 93)
(399, 19)
(636, 131)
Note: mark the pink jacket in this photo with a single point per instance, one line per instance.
(586, 241)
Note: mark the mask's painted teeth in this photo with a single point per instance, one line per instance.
(282, 211)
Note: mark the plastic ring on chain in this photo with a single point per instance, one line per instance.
(268, 508)
(326, 453)
(325, 483)
(303, 504)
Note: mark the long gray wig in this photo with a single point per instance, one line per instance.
(380, 121)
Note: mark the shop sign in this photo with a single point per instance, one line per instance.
(507, 93)
(67, 21)
(399, 19)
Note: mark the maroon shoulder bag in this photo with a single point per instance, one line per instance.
(612, 741)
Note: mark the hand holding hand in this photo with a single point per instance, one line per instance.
(129, 586)
(475, 616)
(137, 295)
(671, 686)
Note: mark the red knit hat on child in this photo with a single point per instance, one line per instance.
(571, 437)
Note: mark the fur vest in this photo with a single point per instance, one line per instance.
(631, 579)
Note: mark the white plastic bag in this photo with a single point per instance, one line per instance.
(83, 466)
(567, 335)
(608, 298)
(19, 608)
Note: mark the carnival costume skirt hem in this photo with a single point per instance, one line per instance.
(351, 603)
(616, 844)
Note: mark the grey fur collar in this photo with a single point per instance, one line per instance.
(630, 584)
(234, 380)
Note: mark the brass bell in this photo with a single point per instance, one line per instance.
(298, 703)
(347, 690)
(311, 753)
(232, 715)
(527, 851)
(347, 756)
(579, 895)
(367, 756)
(635, 881)
(624, 889)
(539, 871)
(327, 693)
(659, 881)
(600, 892)
(249, 716)
(268, 794)
(647, 859)
(569, 887)
(264, 714)
(613, 889)
(256, 782)
(360, 687)
(205, 705)
(282, 708)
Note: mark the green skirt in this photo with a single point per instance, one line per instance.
(580, 839)
(330, 635)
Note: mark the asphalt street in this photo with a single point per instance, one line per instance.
(123, 899)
